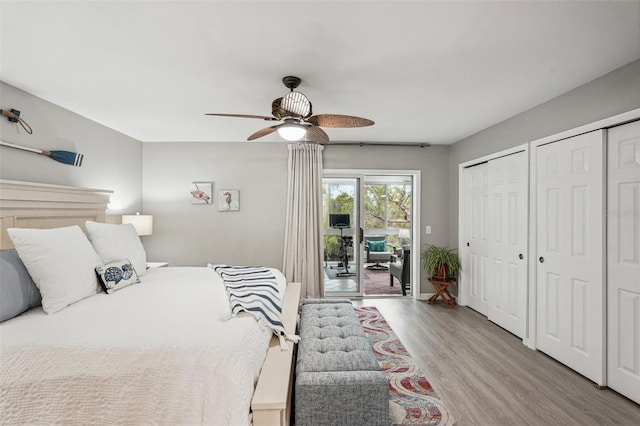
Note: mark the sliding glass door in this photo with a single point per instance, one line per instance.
(388, 220)
(341, 218)
(369, 234)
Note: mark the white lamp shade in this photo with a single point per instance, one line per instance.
(142, 222)
(292, 132)
(404, 233)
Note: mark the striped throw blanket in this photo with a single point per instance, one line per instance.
(254, 290)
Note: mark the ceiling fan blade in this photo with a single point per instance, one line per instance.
(263, 132)
(337, 120)
(316, 134)
(261, 117)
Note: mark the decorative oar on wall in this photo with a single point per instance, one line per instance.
(65, 157)
(14, 117)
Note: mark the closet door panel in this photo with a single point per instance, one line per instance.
(478, 236)
(508, 193)
(569, 241)
(623, 260)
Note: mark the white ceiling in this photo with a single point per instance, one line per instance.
(424, 71)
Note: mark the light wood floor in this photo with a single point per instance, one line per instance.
(486, 376)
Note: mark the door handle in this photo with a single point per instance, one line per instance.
(521, 256)
(467, 243)
(361, 235)
(541, 259)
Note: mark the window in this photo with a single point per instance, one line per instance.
(387, 206)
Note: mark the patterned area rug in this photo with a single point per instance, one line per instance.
(412, 399)
(377, 282)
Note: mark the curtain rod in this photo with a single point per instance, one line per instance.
(416, 144)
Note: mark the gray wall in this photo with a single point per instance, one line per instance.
(111, 159)
(190, 234)
(187, 234)
(611, 94)
(434, 165)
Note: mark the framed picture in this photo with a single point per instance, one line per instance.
(228, 200)
(202, 193)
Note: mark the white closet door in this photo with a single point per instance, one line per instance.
(623, 271)
(570, 239)
(478, 236)
(508, 189)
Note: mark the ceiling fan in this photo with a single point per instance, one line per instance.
(295, 110)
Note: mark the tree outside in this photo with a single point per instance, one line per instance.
(386, 206)
(336, 198)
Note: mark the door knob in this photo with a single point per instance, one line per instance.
(467, 243)
(541, 259)
(520, 256)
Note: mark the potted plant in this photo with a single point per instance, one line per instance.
(440, 262)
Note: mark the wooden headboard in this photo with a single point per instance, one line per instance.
(42, 205)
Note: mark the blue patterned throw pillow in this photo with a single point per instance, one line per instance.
(117, 275)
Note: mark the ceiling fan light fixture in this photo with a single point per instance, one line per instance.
(292, 132)
(299, 122)
(296, 103)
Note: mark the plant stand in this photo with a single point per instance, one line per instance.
(441, 286)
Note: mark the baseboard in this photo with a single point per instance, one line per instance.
(425, 296)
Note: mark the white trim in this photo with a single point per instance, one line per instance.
(416, 282)
(603, 226)
(615, 120)
(416, 179)
(425, 296)
(531, 340)
(463, 291)
(493, 156)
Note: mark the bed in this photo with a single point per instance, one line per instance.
(162, 351)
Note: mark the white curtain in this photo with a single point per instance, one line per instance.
(303, 240)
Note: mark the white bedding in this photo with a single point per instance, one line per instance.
(160, 352)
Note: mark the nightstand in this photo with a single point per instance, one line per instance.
(157, 264)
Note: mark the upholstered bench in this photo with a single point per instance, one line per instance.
(338, 378)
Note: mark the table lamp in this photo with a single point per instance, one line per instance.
(142, 222)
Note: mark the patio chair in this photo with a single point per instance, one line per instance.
(375, 247)
(401, 269)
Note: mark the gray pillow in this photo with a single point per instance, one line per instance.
(18, 292)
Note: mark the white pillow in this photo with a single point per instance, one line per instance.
(61, 262)
(115, 242)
